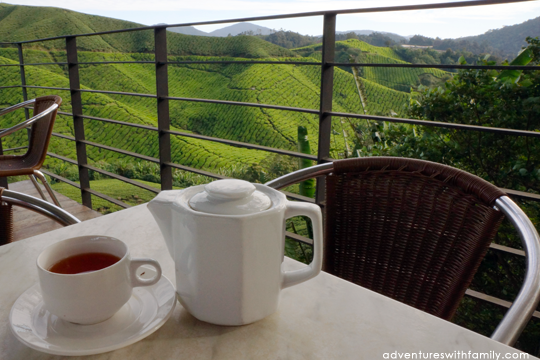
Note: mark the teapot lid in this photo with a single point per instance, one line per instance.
(230, 197)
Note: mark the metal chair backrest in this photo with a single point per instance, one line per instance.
(42, 127)
(417, 231)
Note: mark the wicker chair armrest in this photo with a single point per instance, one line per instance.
(25, 123)
(525, 303)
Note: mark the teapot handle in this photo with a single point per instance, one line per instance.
(312, 211)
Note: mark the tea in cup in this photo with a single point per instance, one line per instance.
(87, 279)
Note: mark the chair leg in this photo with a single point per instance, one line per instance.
(41, 177)
(36, 185)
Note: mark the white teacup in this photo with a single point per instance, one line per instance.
(90, 297)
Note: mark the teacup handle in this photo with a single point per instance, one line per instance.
(312, 211)
(134, 266)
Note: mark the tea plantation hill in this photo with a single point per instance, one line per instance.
(282, 84)
(192, 152)
(353, 50)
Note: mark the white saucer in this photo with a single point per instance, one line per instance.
(147, 310)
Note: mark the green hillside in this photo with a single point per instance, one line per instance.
(401, 79)
(191, 152)
(18, 23)
(347, 47)
(289, 85)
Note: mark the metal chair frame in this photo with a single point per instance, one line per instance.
(525, 303)
(42, 207)
(26, 124)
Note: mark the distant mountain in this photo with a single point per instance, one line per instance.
(187, 30)
(502, 43)
(241, 28)
(233, 30)
(509, 39)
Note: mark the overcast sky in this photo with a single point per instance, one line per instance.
(448, 23)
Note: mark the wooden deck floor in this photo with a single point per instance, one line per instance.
(28, 223)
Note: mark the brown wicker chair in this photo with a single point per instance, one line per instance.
(413, 230)
(45, 109)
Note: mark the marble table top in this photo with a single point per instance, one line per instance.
(324, 318)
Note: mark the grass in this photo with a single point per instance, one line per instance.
(130, 194)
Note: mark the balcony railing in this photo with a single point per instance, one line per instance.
(324, 113)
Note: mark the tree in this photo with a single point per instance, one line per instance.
(505, 99)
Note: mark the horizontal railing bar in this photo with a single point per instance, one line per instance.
(35, 64)
(63, 158)
(120, 151)
(440, 124)
(16, 148)
(494, 300)
(299, 238)
(398, 65)
(507, 249)
(522, 194)
(63, 136)
(117, 93)
(246, 62)
(45, 87)
(196, 62)
(93, 192)
(139, 126)
(441, 66)
(108, 198)
(196, 171)
(116, 62)
(58, 177)
(11, 86)
(238, 103)
(243, 144)
(122, 178)
(294, 15)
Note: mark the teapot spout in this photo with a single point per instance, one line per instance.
(160, 208)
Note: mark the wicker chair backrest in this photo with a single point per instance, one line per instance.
(413, 230)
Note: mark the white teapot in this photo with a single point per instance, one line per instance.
(227, 240)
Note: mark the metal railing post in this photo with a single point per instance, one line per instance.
(3, 180)
(23, 79)
(78, 121)
(327, 86)
(23, 84)
(164, 121)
